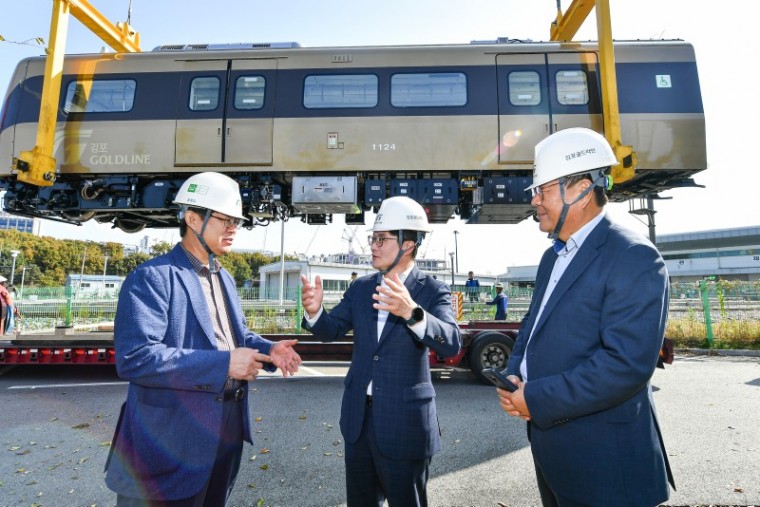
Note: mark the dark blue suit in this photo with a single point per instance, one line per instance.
(403, 407)
(169, 432)
(593, 429)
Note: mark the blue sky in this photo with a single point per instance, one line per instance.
(720, 35)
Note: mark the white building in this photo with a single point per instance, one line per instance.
(91, 286)
(335, 275)
(729, 254)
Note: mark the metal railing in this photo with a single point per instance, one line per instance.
(707, 304)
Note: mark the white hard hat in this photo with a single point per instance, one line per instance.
(568, 152)
(401, 213)
(213, 191)
(3, 279)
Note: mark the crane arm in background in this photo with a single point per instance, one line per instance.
(37, 166)
(564, 28)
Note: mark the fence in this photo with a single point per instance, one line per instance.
(701, 310)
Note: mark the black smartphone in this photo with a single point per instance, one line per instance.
(499, 379)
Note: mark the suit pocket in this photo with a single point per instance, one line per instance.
(423, 391)
(164, 398)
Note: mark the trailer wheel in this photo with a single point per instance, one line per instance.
(489, 350)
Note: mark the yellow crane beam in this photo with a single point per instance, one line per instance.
(564, 28)
(567, 25)
(37, 166)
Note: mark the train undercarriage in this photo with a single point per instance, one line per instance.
(134, 202)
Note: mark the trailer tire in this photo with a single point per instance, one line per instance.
(490, 349)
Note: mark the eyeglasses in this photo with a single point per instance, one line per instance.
(539, 191)
(229, 222)
(379, 240)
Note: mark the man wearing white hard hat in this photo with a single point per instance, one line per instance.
(388, 416)
(501, 301)
(589, 344)
(181, 341)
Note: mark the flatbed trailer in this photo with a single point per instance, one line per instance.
(485, 344)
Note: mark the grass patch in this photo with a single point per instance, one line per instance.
(728, 334)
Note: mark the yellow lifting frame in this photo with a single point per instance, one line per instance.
(564, 28)
(37, 167)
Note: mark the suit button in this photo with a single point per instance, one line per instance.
(376, 358)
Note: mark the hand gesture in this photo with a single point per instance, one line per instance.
(311, 295)
(284, 357)
(394, 298)
(245, 363)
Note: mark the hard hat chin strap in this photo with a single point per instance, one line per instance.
(600, 180)
(199, 235)
(401, 250)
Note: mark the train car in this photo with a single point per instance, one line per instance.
(311, 132)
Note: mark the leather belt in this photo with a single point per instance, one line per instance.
(369, 400)
(235, 395)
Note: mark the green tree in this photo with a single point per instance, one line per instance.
(130, 261)
(49, 260)
(238, 266)
(160, 248)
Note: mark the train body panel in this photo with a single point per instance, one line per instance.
(131, 127)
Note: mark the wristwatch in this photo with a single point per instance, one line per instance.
(417, 315)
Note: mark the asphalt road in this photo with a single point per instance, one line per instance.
(56, 424)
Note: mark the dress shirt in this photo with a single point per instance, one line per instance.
(565, 255)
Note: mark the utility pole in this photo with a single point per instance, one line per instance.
(452, 268)
(14, 254)
(105, 267)
(456, 250)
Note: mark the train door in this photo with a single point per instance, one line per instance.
(250, 112)
(225, 113)
(540, 94)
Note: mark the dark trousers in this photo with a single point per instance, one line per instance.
(548, 499)
(223, 474)
(371, 477)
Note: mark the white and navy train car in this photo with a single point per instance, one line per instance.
(314, 131)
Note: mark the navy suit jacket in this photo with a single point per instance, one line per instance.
(167, 436)
(398, 364)
(593, 428)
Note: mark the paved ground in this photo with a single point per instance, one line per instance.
(56, 424)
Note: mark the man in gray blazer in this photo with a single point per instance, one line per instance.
(388, 416)
(589, 344)
(182, 343)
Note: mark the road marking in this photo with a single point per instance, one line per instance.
(315, 373)
(57, 386)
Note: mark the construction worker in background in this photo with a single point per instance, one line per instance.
(501, 301)
(472, 287)
(9, 312)
(181, 341)
(589, 344)
(388, 416)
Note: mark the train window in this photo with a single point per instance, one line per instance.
(427, 89)
(572, 87)
(524, 88)
(100, 96)
(204, 93)
(249, 92)
(345, 90)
